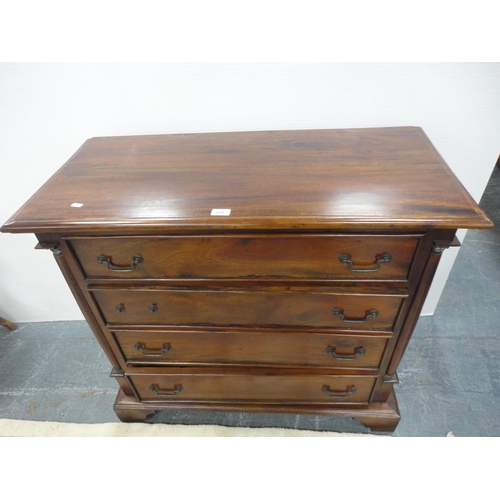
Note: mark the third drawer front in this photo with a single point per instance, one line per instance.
(248, 307)
(271, 387)
(143, 347)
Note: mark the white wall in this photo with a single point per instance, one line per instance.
(48, 110)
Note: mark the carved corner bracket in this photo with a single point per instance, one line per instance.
(391, 379)
(56, 251)
(438, 247)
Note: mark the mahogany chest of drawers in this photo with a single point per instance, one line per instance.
(260, 271)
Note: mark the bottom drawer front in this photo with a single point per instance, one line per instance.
(258, 347)
(267, 387)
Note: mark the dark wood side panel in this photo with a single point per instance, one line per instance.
(441, 241)
(61, 254)
(435, 242)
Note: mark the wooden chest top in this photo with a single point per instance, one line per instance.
(385, 178)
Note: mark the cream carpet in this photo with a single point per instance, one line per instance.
(30, 428)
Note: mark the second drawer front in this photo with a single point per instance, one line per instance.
(255, 348)
(270, 387)
(248, 307)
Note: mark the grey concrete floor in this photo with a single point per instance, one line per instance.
(449, 377)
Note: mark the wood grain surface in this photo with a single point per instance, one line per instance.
(298, 387)
(249, 257)
(376, 178)
(251, 347)
(247, 307)
(300, 298)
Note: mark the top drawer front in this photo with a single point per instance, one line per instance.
(316, 257)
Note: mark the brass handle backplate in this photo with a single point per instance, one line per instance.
(359, 351)
(369, 315)
(338, 394)
(152, 352)
(165, 392)
(136, 259)
(346, 259)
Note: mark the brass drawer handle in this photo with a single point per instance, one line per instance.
(346, 259)
(152, 352)
(340, 313)
(136, 259)
(359, 351)
(165, 392)
(338, 394)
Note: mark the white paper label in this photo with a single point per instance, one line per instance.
(220, 211)
(77, 205)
